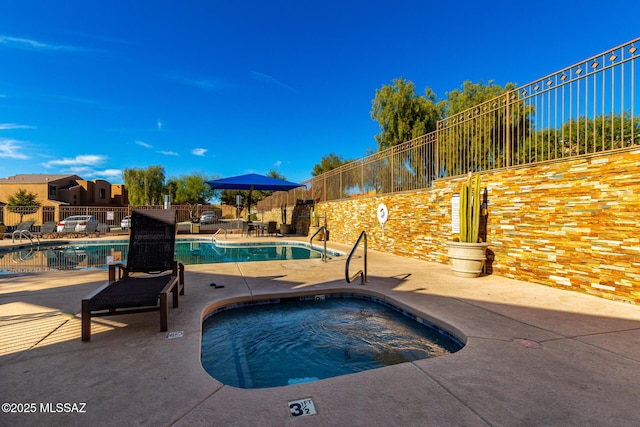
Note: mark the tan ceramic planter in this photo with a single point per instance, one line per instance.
(467, 259)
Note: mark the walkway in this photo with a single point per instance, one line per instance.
(534, 355)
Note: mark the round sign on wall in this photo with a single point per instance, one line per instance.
(383, 213)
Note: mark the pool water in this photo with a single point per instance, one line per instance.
(268, 345)
(87, 256)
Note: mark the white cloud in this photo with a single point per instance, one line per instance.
(109, 174)
(78, 161)
(269, 79)
(278, 163)
(168, 153)
(11, 149)
(144, 144)
(199, 151)
(20, 43)
(210, 85)
(82, 171)
(9, 126)
(159, 124)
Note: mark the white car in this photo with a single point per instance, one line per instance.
(208, 217)
(81, 222)
(126, 222)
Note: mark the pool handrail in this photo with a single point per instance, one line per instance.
(362, 273)
(26, 234)
(324, 238)
(213, 238)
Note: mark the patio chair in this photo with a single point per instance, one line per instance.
(48, 229)
(90, 230)
(151, 273)
(247, 228)
(23, 227)
(272, 228)
(68, 229)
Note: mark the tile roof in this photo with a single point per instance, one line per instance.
(35, 178)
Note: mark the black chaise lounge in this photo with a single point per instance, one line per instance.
(140, 286)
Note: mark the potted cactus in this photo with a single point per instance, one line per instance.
(284, 227)
(467, 253)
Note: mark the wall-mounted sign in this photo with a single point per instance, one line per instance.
(383, 213)
(455, 214)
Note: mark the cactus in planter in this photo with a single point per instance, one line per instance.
(470, 209)
(467, 254)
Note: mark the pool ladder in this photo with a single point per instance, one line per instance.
(362, 273)
(26, 234)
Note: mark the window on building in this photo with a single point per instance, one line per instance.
(103, 193)
(52, 190)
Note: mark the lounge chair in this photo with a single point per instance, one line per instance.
(139, 287)
(22, 229)
(68, 229)
(48, 229)
(91, 229)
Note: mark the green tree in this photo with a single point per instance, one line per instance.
(23, 203)
(472, 137)
(327, 163)
(472, 94)
(403, 115)
(145, 186)
(190, 190)
(579, 136)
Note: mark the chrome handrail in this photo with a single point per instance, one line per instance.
(324, 237)
(26, 234)
(213, 238)
(361, 273)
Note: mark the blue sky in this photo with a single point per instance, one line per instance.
(225, 88)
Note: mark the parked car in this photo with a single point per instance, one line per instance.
(126, 222)
(81, 222)
(208, 217)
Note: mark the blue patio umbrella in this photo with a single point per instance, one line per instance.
(252, 182)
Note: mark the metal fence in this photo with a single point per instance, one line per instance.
(585, 109)
(111, 216)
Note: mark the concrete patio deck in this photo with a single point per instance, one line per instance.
(534, 355)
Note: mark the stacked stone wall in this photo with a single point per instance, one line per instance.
(572, 225)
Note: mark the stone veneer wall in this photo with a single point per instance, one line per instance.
(572, 225)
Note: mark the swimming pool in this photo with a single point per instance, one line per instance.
(93, 256)
(297, 340)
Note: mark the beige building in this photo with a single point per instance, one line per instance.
(55, 190)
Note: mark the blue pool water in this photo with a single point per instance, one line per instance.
(88, 256)
(268, 345)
